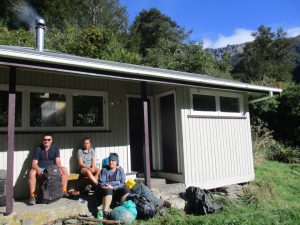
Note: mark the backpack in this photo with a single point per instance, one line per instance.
(51, 188)
(200, 202)
(147, 204)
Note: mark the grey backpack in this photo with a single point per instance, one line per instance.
(51, 185)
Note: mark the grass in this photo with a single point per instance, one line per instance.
(273, 198)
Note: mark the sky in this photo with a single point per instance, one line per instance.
(221, 22)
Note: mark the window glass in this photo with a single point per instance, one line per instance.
(229, 104)
(4, 109)
(204, 103)
(88, 111)
(47, 110)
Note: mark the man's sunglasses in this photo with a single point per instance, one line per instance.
(47, 139)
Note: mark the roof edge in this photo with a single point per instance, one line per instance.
(154, 73)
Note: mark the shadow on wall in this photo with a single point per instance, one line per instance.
(22, 179)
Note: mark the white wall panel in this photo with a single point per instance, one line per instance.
(216, 151)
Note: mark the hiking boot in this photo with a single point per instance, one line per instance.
(31, 201)
(106, 215)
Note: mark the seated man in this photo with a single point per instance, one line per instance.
(112, 182)
(45, 155)
(87, 161)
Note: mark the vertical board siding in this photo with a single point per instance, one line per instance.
(216, 151)
(114, 140)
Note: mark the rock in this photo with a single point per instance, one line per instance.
(71, 221)
(28, 221)
(177, 203)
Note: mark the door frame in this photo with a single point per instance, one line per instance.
(158, 125)
(128, 129)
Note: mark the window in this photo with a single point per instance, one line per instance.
(4, 109)
(88, 111)
(47, 110)
(204, 103)
(229, 104)
(216, 103)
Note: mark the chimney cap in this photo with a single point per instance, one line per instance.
(39, 23)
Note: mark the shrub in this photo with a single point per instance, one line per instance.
(265, 146)
(258, 193)
(262, 140)
(283, 153)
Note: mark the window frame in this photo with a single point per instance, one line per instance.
(69, 93)
(102, 94)
(217, 94)
(23, 118)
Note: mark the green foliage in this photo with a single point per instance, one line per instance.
(286, 120)
(286, 154)
(151, 27)
(265, 146)
(3, 119)
(85, 119)
(262, 140)
(93, 42)
(62, 41)
(186, 57)
(18, 37)
(268, 55)
(64, 13)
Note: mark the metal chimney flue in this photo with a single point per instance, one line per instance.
(40, 34)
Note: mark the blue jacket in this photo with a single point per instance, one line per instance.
(120, 178)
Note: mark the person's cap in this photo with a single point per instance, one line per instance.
(114, 158)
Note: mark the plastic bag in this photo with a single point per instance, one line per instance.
(126, 212)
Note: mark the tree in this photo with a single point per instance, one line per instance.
(151, 27)
(95, 42)
(19, 37)
(84, 13)
(267, 56)
(63, 13)
(286, 121)
(188, 57)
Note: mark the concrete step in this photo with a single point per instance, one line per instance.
(167, 189)
(154, 181)
(131, 175)
(170, 193)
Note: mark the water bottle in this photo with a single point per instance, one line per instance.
(98, 162)
(100, 214)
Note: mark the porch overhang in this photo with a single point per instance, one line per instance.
(69, 64)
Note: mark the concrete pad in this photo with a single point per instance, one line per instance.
(43, 213)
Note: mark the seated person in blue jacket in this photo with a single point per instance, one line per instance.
(45, 155)
(87, 161)
(112, 182)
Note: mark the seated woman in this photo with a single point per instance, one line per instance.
(112, 183)
(87, 161)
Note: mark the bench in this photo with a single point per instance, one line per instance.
(79, 182)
